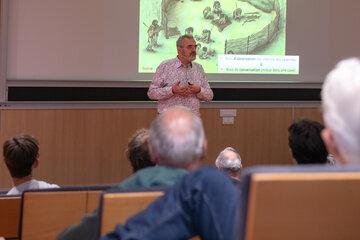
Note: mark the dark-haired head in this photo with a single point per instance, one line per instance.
(20, 153)
(305, 142)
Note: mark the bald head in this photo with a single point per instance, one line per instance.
(341, 111)
(177, 138)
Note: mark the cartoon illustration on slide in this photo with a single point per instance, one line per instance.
(241, 27)
(153, 35)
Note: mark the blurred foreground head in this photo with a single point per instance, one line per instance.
(341, 111)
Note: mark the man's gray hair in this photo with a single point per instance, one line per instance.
(341, 107)
(181, 38)
(229, 162)
(177, 137)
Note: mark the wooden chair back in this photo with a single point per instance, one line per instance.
(93, 200)
(118, 207)
(303, 205)
(10, 216)
(45, 214)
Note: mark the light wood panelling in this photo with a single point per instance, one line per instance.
(260, 135)
(86, 146)
(83, 146)
(309, 113)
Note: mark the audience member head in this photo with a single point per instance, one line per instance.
(177, 138)
(137, 151)
(229, 161)
(341, 111)
(305, 142)
(21, 155)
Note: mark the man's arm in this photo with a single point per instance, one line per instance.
(205, 94)
(160, 87)
(87, 229)
(192, 207)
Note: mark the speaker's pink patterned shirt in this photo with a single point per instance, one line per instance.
(168, 74)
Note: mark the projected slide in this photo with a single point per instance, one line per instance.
(233, 36)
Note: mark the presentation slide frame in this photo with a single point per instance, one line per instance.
(234, 27)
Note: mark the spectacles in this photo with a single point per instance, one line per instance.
(189, 46)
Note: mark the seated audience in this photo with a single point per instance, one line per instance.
(195, 206)
(229, 161)
(204, 202)
(137, 151)
(21, 156)
(306, 145)
(176, 144)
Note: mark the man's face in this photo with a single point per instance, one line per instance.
(187, 50)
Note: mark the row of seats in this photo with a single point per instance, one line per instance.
(279, 203)
(43, 214)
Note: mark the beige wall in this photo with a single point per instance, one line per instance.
(86, 146)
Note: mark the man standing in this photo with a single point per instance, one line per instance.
(180, 81)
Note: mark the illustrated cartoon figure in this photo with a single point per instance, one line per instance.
(205, 36)
(153, 34)
(217, 8)
(237, 14)
(189, 31)
(207, 13)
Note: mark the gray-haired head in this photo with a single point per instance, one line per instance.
(177, 138)
(181, 38)
(229, 160)
(341, 108)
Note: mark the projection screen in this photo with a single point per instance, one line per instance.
(240, 41)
